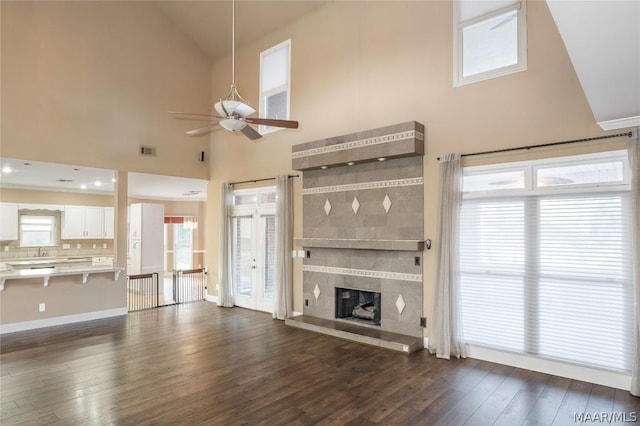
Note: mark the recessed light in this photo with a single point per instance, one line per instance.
(113, 180)
(324, 167)
(97, 183)
(382, 159)
(350, 163)
(6, 169)
(83, 186)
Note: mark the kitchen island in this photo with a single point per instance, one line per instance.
(51, 295)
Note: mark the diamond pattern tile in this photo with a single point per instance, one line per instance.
(355, 205)
(386, 203)
(327, 207)
(400, 304)
(316, 292)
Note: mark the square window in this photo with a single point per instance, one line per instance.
(490, 45)
(37, 231)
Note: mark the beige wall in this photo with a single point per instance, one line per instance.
(10, 195)
(363, 65)
(86, 83)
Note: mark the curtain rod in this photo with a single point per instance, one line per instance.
(260, 180)
(496, 151)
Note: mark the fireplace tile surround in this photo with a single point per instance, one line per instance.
(363, 226)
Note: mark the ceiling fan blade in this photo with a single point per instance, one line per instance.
(251, 133)
(201, 130)
(192, 113)
(289, 124)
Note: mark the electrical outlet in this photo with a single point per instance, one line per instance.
(301, 253)
(423, 322)
(104, 245)
(42, 307)
(416, 261)
(66, 246)
(94, 246)
(306, 302)
(78, 245)
(308, 254)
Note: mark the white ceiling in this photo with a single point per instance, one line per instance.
(36, 175)
(603, 42)
(208, 23)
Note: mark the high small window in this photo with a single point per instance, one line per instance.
(490, 40)
(275, 66)
(37, 231)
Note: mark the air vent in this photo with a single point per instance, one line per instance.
(64, 180)
(147, 151)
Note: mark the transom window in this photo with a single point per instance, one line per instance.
(489, 39)
(545, 259)
(275, 64)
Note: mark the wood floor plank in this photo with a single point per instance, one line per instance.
(199, 364)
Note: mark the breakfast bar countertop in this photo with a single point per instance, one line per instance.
(47, 273)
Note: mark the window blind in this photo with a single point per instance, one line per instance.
(549, 275)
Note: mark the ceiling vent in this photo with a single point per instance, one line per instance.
(147, 151)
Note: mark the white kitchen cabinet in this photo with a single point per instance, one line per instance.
(109, 222)
(94, 222)
(87, 222)
(73, 223)
(8, 221)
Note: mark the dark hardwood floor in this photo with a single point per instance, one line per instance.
(200, 364)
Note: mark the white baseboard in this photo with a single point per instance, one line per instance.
(426, 342)
(556, 368)
(66, 319)
(296, 314)
(210, 298)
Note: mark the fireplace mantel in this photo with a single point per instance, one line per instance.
(391, 245)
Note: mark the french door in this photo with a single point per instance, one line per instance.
(253, 253)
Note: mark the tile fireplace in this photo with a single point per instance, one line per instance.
(363, 214)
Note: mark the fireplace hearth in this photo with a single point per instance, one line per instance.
(358, 305)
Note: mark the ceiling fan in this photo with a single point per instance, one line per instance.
(233, 111)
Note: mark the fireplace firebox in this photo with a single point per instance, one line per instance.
(358, 305)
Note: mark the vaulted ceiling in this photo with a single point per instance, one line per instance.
(208, 23)
(602, 38)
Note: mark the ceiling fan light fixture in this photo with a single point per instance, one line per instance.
(226, 108)
(233, 124)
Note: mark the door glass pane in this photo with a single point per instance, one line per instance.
(269, 259)
(242, 257)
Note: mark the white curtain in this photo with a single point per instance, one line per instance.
(225, 267)
(282, 302)
(634, 160)
(446, 338)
